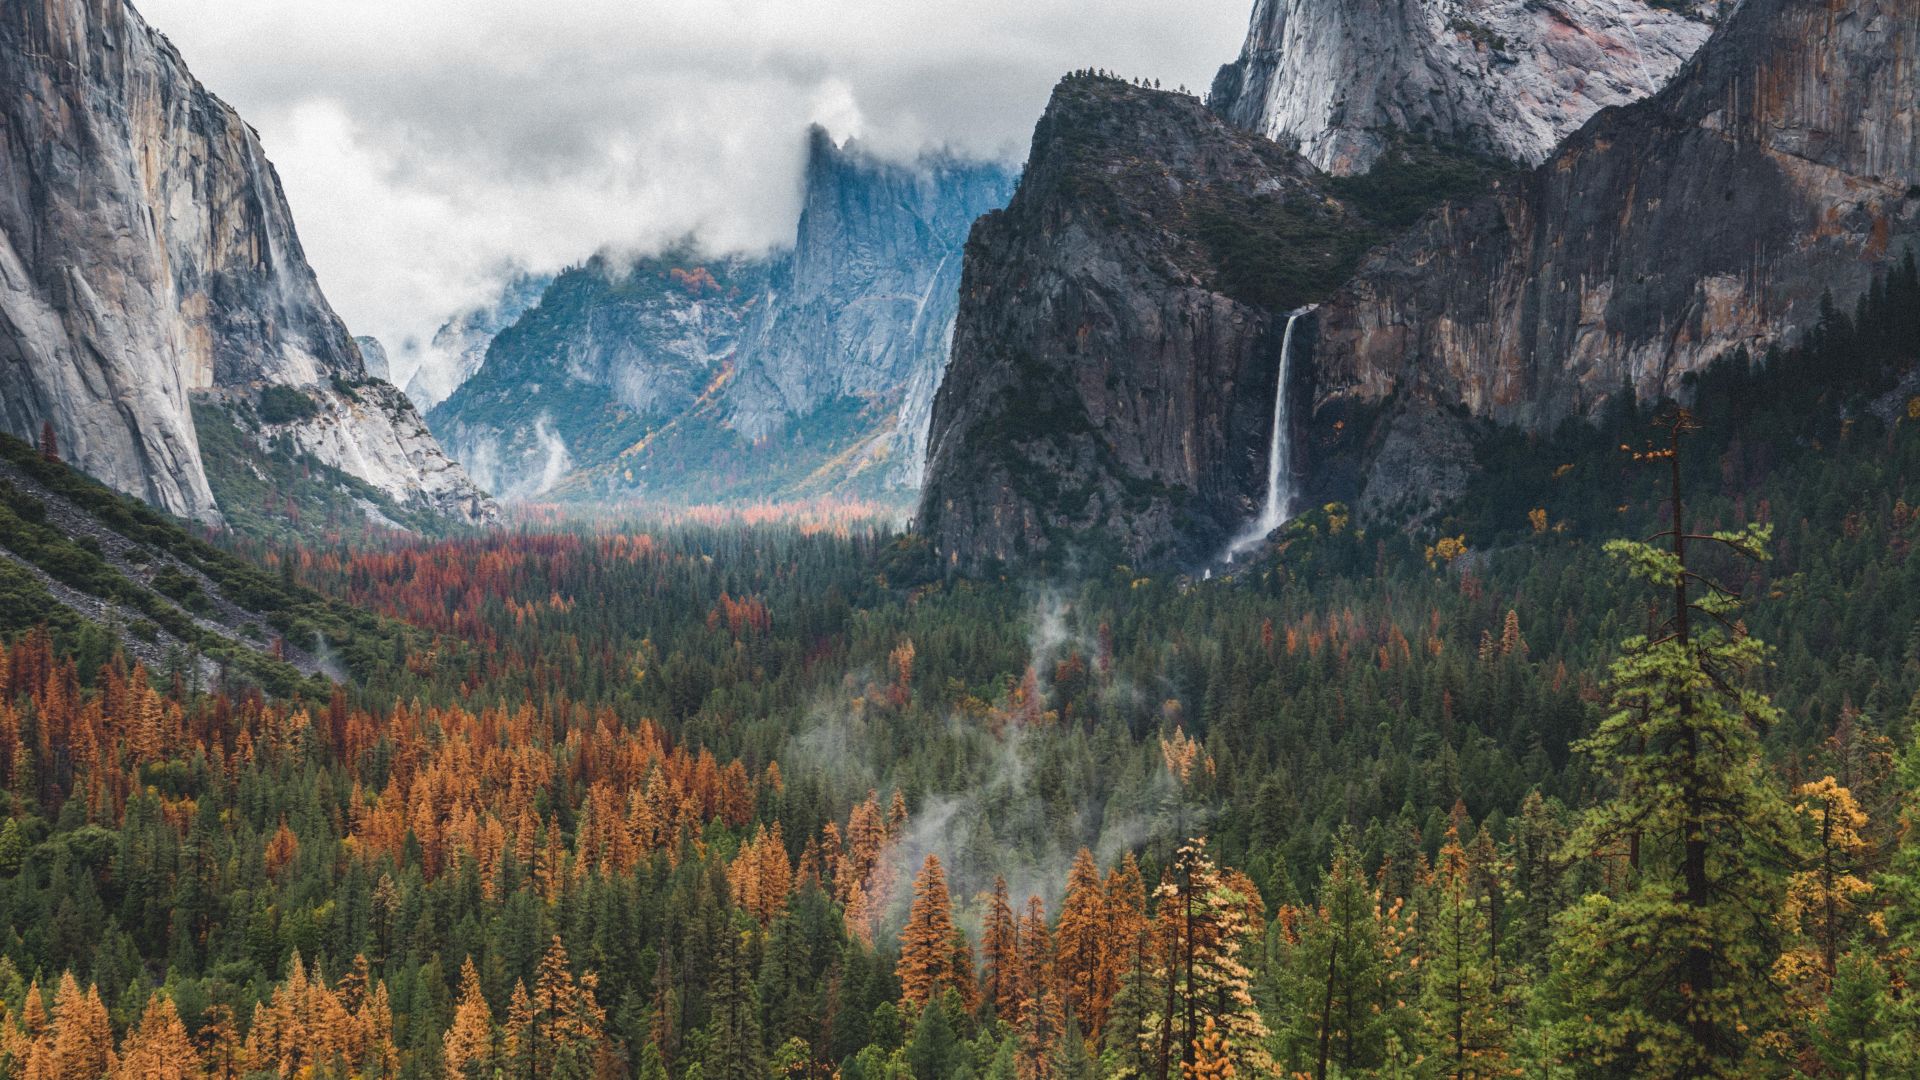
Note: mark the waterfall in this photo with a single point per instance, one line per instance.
(1274, 511)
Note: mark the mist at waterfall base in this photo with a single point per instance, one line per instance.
(1278, 505)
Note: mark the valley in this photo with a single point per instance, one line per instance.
(1403, 566)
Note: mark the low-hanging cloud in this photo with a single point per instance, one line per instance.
(429, 145)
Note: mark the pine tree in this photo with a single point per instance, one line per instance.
(158, 1047)
(1857, 1033)
(1672, 973)
(1826, 901)
(82, 1036)
(1203, 921)
(1337, 975)
(999, 948)
(735, 1050)
(927, 958)
(1078, 939)
(469, 1039)
(555, 1029)
(1461, 1006)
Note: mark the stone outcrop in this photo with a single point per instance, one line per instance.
(1782, 165)
(147, 257)
(1105, 387)
(1105, 393)
(1341, 79)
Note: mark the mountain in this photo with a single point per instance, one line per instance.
(864, 306)
(459, 347)
(151, 283)
(1112, 403)
(1339, 79)
(374, 355)
(1122, 326)
(690, 377)
(1782, 167)
(611, 353)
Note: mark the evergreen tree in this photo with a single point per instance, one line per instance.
(929, 963)
(734, 1042)
(1337, 976)
(1203, 921)
(1461, 1006)
(1671, 970)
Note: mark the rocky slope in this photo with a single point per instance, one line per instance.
(687, 377)
(1115, 359)
(1509, 78)
(148, 261)
(611, 353)
(1109, 395)
(864, 306)
(1782, 165)
(374, 356)
(458, 348)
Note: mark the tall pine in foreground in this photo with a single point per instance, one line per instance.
(1668, 973)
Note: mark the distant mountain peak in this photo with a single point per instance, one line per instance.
(1509, 78)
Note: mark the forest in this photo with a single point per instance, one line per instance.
(1613, 770)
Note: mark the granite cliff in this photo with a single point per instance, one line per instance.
(149, 264)
(1340, 79)
(1781, 166)
(1113, 371)
(692, 377)
(1118, 342)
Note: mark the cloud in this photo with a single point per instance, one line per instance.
(428, 145)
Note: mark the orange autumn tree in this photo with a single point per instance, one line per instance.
(760, 875)
(469, 1039)
(1041, 1018)
(1079, 942)
(999, 948)
(1123, 944)
(929, 962)
(558, 1026)
(1205, 918)
(158, 1047)
(80, 1041)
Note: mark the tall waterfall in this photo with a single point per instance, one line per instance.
(1274, 512)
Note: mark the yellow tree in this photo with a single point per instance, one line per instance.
(469, 1039)
(1078, 941)
(927, 964)
(1826, 898)
(1203, 922)
(158, 1047)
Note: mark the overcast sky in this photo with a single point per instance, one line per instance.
(426, 144)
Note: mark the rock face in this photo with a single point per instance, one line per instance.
(1509, 78)
(687, 377)
(374, 355)
(864, 306)
(1782, 164)
(1105, 381)
(610, 354)
(458, 348)
(147, 257)
(1105, 384)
